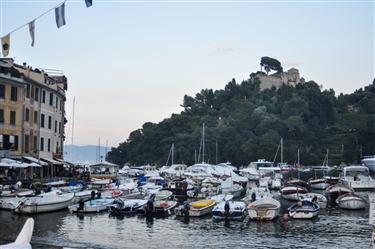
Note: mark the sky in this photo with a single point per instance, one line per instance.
(130, 62)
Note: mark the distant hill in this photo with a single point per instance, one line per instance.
(84, 153)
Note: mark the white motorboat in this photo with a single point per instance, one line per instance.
(151, 188)
(24, 237)
(229, 187)
(351, 201)
(200, 171)
(251, 173)
(44, 203)
(257, 193)
(163, 195)
(369, 161)
(358, 178)
(264, 209)
(122, 206)
(91, 206)
(292, 192)
(315, 197)
(221, 197)
(231, 210)
(159, 209)
(175, 170)
(304, 210)
(84, 195)
(150, 171)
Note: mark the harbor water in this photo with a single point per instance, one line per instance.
(333, 228)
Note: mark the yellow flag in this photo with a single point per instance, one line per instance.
(5, 44)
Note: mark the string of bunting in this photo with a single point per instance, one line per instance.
(60, 21)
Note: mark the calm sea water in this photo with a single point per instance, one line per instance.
(333, 228)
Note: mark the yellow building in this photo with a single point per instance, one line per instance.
(32, 113)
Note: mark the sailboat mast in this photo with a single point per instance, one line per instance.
(282, 150)
(216, 152)
(298, 164)
(172, 153)
(203, 143)
(327, 156)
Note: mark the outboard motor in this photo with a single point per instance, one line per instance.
(226, 210)
(119, 203)
(314, 199)
(185, 209)
(150, 205)
(253, 197)
(81, 205)
(92, 194)
(99, 195)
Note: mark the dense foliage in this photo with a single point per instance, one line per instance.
(247, 124)
(269, 64)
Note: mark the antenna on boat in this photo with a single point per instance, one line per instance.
(282, 150)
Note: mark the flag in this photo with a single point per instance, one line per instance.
(32, 32)
(5, 44)
(88, 3)
(60, 15)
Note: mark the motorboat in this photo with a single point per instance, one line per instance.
(358, 178)
(84, 195)
(251, 173)
(369, 162)
(320, 199)
(292, 192)
(200, 171)
(159, 209)
(91, 206)
(175, 170)
(264, 209)
(304, 209)
(126, 207)
(221, 197)
(110, 193)
(127, 185)
(44, 203)
(264, 167)
(24, 237)
(20, 193)
(197, 208)
(332, 180)
(351, 201)
(229, 210)
(163, 195)
(257, 193)
(150, 171)
(229, 187)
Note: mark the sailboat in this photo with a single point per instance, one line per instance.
(297, 181)
(174, 170)
(320, 183)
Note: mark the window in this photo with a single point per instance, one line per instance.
(43, 96)
(57, 103)
(28, 91)
(49, 145)
(55, 126)
(12, 117)
(1, 116)
(27, 114)
(42, 120)
(50, 122)
(27, 137)
(57, 147)
(2, 91)
(59, 127)
(36, 94)
(42, 143)
(51, 99)
(35, 143)
(35, 117)
(13, 93)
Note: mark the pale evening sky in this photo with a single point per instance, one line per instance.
(130, 62)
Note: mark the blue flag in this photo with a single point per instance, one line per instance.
(88, 3)
(60, 15)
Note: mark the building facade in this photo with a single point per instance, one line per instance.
(290, 77)
(32, 112)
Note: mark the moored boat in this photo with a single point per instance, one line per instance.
(126, 207)
(197, 208)
(303, 210)
(351, 201)
(358, 178)
(320, 199)
(229, 210)
(91, 206)
(292, 192)
(336, 190)
(44, 203)
(264, 209)
(319, 183)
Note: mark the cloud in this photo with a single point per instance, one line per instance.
(220, 49)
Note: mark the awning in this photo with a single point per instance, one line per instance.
(10, 163)
(35, 160)
(51, 161)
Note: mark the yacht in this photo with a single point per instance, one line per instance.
(358, 178)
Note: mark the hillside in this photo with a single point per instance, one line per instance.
(248, 123)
